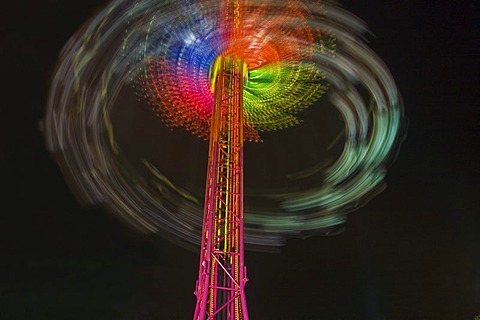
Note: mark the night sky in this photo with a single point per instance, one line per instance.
(413, 252)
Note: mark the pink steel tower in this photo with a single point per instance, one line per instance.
(222, 273)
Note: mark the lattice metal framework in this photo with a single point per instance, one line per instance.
(222, 273)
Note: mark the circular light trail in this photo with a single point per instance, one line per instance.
(296, 53)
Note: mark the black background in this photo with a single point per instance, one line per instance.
(412, 253)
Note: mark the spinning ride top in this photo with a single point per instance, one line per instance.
(225, 73)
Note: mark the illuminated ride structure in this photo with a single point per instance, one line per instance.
(222, 273)
(224, 71)
(220, 288)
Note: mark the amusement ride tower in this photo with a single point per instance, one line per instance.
(222, 273)
(244, 53)
(225, 72)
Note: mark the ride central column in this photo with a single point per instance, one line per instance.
(222, 273)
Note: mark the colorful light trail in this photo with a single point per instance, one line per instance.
(114, 49)
(294, 52)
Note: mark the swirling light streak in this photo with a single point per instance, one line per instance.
(166, 49)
